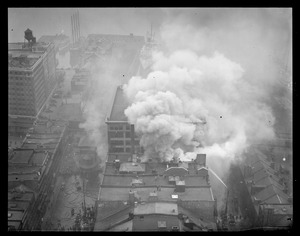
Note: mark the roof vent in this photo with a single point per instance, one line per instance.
(162, 224)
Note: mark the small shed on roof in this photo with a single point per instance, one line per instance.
(176, 171)
(202, 171)
(127, 167)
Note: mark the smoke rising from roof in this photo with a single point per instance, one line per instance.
(210, 89)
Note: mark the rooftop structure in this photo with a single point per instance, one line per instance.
(152, 192)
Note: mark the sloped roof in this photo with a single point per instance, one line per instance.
(163, 208)
(272, 195)
(176, 171)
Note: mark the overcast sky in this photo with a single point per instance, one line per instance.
(92, 20)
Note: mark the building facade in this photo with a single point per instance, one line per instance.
(121, 135)
(31, 77)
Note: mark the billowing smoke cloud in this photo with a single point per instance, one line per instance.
(209, 91)
(190, 101)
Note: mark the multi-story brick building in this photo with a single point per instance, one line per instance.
(121, 135)
(31, 77)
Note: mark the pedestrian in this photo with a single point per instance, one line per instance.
(72, 211)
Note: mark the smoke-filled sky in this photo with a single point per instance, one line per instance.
(50, 21)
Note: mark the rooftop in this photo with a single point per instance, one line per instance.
(18, 205)
(21, 156)
(20, 56)
(163, 208)
(115, 37)
(132, 167)
(28, 157)
(20, 196)
(15, 215)
(155, 223)
(190, 194)
(120, 103)
(53, 38)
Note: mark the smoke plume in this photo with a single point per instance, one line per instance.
(98, 101)
(209, 91)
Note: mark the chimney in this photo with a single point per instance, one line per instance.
(201, 159)
(180, 186)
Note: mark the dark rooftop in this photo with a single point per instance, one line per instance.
(120, 103)
(190, 194)
(15, 215)
(21, 157)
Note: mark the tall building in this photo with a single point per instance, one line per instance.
(121, 135)
(31, 75)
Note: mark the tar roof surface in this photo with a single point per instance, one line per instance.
(164, 208)
(190, 194)
(21, 157)
(151, 222)
(119, 105)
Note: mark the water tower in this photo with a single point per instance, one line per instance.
(29, 37)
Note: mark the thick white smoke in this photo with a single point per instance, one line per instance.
(192, 100)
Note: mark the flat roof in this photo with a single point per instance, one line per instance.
(15, 224)
(164, 208)
(24, 58)
(165, 194)
(22, 177)
(39, 158)
(120, 103)
(132, 167)
(18, 205)
(15, 215)
(151, 180)
(21, 196)
(155, 223)
(21, 157)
